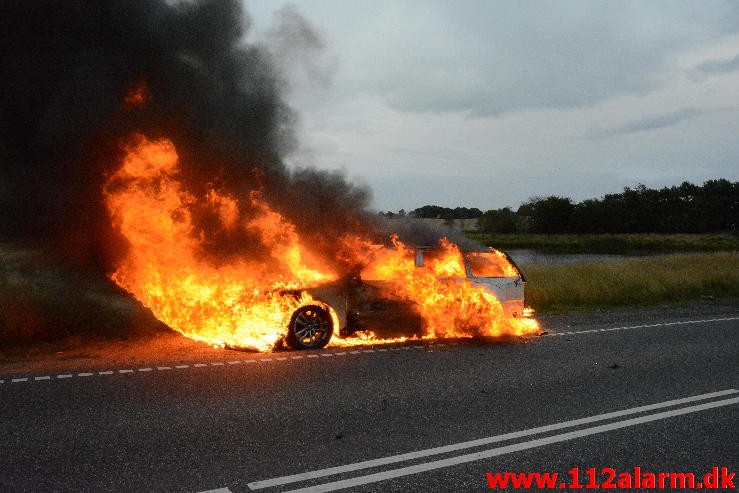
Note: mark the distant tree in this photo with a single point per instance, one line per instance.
(499, 221)
(687, 208)
(550, 215)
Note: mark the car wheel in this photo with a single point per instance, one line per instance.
(310, 328)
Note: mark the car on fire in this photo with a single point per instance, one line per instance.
(353, 304)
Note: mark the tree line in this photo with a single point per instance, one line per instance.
(687, 208)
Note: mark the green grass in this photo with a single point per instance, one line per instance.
(611, 243)
(634, 282)
(42, 302)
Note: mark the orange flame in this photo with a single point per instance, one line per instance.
(237, 302)
(137, 95)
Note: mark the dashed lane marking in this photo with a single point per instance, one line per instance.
(643, 326)
(63, 376)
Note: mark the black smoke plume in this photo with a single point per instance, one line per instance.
(67, 66)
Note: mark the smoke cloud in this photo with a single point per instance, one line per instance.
(67, 67)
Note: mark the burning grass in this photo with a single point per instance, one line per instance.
(634, 282)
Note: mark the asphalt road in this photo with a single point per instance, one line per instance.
(244, 422)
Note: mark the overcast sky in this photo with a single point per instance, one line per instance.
(487, 103)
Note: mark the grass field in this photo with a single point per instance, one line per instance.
(42, 302)
(633, 282)
(628, 244)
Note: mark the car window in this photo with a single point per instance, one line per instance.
(443, 263)
(490, 264)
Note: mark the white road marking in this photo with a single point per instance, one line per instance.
(219, 490)
(643, 326)
(486, 454)
(479, 442)
(18, 380)
(376, 349)
(42, 378)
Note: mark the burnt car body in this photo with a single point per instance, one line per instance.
(353, 304)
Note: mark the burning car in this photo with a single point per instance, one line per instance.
(275, 278)
(387, 309)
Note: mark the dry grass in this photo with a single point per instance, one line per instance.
(635, 282)
(41, 302)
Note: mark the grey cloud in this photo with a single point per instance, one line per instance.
(489, 58)
(712, 67)
(643, 124)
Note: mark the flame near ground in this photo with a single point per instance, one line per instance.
(237, 302)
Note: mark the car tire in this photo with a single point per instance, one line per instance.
(310, 327)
